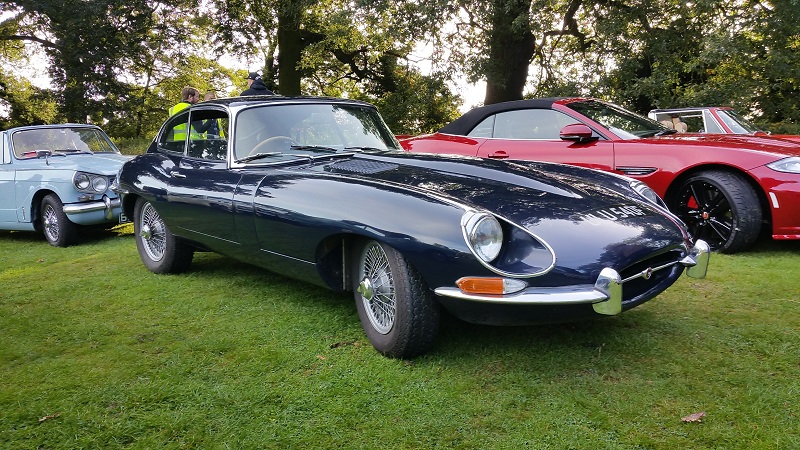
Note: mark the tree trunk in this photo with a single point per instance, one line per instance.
(511, 49)
(290, 50)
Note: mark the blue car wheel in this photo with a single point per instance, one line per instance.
(58, 229)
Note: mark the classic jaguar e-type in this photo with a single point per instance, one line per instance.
(318, 189)
(55, 178)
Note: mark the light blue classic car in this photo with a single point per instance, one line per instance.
(54, 178)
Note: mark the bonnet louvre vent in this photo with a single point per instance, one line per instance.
(357, 166)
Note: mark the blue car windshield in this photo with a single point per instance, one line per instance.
(281, 131)
(66, 140)
(621, 122)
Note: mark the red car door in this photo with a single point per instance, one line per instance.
(534, 134)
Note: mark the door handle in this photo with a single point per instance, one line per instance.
(176, 174)
(498, 155)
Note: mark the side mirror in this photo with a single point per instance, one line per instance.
(577, 132)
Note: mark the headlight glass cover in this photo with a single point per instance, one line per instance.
(89, 182)
(788, 165)
(484, 234)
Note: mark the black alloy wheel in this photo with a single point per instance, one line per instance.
(721, 208)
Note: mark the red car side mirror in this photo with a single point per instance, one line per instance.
(577, 132)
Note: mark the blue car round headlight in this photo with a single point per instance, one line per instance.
(484, 235)
(100, 184)
(82, 181)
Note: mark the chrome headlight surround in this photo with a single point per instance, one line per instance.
(90, 183)
(647, 193)
(786, 165)
(483, 234)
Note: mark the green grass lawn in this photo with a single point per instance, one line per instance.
(97, 352)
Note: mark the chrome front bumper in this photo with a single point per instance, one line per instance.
(605, 295)
(106, 204)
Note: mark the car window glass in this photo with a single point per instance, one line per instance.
(64, 139)
(207, 136)
(173, 138)
(694, 122)
(484, 129)
(286, 129)
(531, 124)
(737, 123)
(711, 125)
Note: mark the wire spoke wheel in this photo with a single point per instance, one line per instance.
(396, 308)
(50, 223)
(152, 233)
(377, 289)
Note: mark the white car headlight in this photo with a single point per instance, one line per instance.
(484, 234)
(789, 165)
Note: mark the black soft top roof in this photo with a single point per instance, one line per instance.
(471, 118)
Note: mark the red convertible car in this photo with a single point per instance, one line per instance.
(724, 187)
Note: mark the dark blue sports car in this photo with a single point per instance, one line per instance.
(318, 189)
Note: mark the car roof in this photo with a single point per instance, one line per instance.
(473, 117)
(260, 99)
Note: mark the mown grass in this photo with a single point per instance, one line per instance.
(97, 352)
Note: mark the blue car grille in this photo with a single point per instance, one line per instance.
(640, 288)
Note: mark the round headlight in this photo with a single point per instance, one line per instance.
(82, 181)
(100, 184)
(485, 235)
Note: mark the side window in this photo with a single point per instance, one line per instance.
(531, 124)
(484, 129)
(207, 135)
(173, 139)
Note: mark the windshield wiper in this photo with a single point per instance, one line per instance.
(249, 158)
(316, 148)
(665, 132)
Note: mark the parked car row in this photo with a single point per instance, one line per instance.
(499, 218)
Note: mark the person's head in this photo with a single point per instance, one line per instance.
(252, 76)
(190, 94)
(210, 95)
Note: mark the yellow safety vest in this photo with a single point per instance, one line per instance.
(179, 132)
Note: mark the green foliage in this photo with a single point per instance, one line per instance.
(97, 352)
(24, 104)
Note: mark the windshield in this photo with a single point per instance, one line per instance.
(66, 140)
(621, 122)
(736, 123)
(280, 131)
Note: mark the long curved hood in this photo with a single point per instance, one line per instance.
(584, 215)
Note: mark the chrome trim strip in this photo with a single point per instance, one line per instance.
(80, 208)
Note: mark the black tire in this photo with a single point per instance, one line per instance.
(396, 308)
(160, 250)
(57, 228)
(721, 208)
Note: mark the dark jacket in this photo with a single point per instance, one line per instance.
(257, 88)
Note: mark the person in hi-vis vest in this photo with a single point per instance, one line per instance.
(189, 96)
